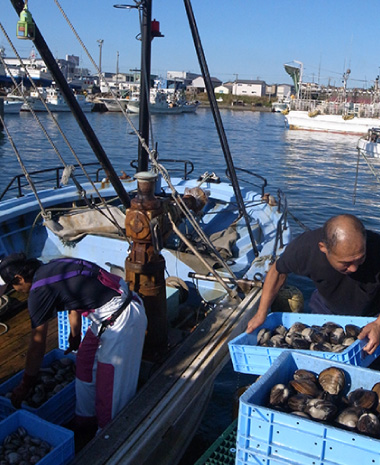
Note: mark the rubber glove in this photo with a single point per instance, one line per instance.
(74, 343)
(20, 392)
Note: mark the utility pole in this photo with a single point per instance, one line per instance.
(100, 42)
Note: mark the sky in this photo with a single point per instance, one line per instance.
(244, 39)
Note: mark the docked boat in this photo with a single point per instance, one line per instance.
(211, 238)
(12, 107)
(51, 98)
(369, 145)
(316, 120)
(336, 114)
(159, 104)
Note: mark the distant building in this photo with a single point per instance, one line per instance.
(183, 77)
(199, 84)
(283, 91)
(247, 87)
(223, 89)
(271, 90)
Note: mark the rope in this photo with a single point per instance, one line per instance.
(110, 90)
(152, 153)
(26, 174)
(77, 184)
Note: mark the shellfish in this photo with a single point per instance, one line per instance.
(320, 409)
(363, 398)
(332, 380)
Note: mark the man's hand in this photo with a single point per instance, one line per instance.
(255, 322)
(74, 343)
(372, 332)
(21, 391)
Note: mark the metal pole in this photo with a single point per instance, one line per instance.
(100, 42)
(72, 102)
(218, 121)
(143, 156)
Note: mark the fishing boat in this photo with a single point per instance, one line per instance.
(369, 145)
(161, 104)
(12, 107)
(51, 98)
(337, 114)
(210, 239)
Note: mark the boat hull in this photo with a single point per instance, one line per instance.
(300, 119)
(368, 148)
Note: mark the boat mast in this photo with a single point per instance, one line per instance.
(87, 130)
(218, 120)
(143, 156)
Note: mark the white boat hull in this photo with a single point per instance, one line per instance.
(368, 148)
(298, 119)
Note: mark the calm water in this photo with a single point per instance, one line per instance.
(316, 171)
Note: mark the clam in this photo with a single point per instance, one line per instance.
(338, 348)
(297, 327)
(302, 374)
(320, 409)
(349, 417)
(300, 343)
(279, 395)
(352, 331)
(277, 340)
(368, 423)
(332, 380)
(305, 387)
(337, 335)
(321, 346)
(307, 334)
(263, 336)
(280, 330)
(363, 398)
(376, 388)
(298, 402)
(330, 326)
(347, 341)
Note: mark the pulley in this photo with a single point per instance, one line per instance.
(25, 26)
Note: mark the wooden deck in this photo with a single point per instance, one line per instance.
(14, 343)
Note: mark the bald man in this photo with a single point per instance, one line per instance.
(343, 260)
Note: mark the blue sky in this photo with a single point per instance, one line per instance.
(248, 38)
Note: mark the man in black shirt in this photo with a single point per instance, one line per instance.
(343, 261)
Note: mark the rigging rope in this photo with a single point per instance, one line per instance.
(152, 155)
(77, 184)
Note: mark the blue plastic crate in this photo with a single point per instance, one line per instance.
(59, 409)
(60, 438)
(64, 329)
(248, 357)
(266, 434)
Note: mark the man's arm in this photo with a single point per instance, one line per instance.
(34, 358)
(272, 284)
(75, 320)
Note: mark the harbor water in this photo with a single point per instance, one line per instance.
(318, 172)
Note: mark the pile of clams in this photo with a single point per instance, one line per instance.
(330, 337)
(51, 380)
(23, 449)
(320, 397)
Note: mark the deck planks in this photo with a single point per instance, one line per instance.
(14, 343)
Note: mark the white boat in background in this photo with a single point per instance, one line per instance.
(12, 107)
(54, 101)
(280, 106)
(369, 145)
(337, 110)
(316, 120)
(162, 102)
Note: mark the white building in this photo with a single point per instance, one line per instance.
(283, 91)
(248, 87)
(223, 89)
(199, 83)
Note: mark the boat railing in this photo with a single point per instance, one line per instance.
(188, 166)
(49, 177)
(250, 173)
